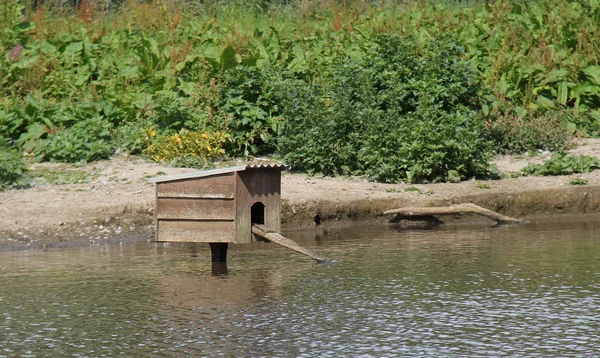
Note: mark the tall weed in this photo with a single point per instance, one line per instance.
(515, 134)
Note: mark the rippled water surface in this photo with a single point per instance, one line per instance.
(532, 290)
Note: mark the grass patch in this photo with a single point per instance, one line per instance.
(482, 185)
(578, 181)
(58, 176)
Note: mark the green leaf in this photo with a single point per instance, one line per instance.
(544, 102)
(563, 93)
(25, 26)
(553, 76)
(228, 59)
(584, 88)
(73, 51)
(593, 72)
(213, 51)
(595, 115)
(502, 85)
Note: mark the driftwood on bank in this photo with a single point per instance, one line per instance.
(458, 209)
(273, 236)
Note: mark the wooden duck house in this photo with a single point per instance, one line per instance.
(218, 206)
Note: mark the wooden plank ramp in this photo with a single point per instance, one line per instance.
(458, 209)
(273, 236)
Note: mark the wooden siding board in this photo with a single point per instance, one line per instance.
(257, 186)
(195, 209)
(219, 186)
(196, 231)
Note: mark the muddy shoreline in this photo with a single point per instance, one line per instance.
(137, 225)
(112, 200)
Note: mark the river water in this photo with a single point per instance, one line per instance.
(461, 290)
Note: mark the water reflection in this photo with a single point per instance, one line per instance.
(454, 291)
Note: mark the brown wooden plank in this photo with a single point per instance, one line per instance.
(219, 186)
(275, 237)
(254, 186)
(195, 231)
(195, 209)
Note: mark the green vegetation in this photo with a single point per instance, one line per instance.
(482, 185)
(395, 113)
(416, 92)
(562, 164)
(58, 176)
(578, 181)
(514, 134)
(12, 167)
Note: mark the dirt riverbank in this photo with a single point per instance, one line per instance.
(111, 199)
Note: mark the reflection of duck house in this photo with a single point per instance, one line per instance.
(218, 205)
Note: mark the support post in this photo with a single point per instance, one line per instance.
(219, 269)
(218, 251)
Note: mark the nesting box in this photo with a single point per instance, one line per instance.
(218, 206)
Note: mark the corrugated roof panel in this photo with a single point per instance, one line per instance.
(207, 173)
(265, 166)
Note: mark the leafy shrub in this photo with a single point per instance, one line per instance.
(86, 141)
(132, 138)
(195, 146)
(562, 164)
(12, 167)
(512, 134)
(397, 114)
(172, 112)
(248, 109)
(240, 102)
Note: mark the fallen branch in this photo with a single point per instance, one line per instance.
(458, 209)
(273, 236)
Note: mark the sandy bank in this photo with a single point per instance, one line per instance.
(115, 199)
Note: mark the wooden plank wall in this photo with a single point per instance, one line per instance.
(196, 209)
(216, 187)
(253, 186)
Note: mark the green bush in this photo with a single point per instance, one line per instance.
(400, 113)
(131, 138)
(248, 110)
(240, 102)
(562, 164)
(12, 167)
(87, 140)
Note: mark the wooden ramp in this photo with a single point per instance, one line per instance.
(273, 236)
(458, 209)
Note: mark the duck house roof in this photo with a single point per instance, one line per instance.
(207, 173)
